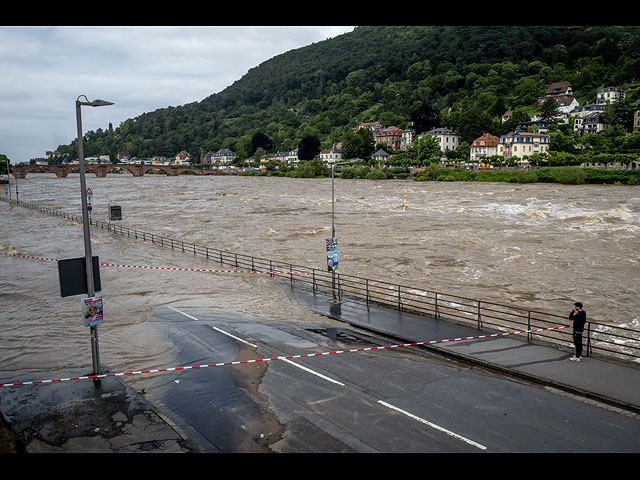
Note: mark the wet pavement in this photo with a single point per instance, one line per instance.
(597, 379)
(80, 416)
(111, 417)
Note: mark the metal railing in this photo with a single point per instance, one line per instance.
(603, 339)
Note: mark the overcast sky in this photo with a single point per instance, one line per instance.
(43, 70)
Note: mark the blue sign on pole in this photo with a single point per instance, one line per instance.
(332, 254)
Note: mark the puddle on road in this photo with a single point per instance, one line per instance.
(265, 429)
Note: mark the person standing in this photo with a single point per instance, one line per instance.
(579, 318)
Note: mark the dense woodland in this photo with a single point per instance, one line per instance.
(461, 77)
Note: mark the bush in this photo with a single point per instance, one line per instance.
(525, 176)
(569, 175)
(598, 175)
(376, 174)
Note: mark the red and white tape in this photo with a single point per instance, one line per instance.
(289, 357)
(182, 269)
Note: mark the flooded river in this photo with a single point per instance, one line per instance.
(539, 246)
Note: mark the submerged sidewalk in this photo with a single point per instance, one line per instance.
(600, 380)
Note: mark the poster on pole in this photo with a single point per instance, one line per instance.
(92, 311)
(332, 254)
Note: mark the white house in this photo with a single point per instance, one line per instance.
(332, 155)
(609, 94)
(448, 139)
(224, 156)
(592, 123)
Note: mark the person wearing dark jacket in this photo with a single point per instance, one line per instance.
(579, 318)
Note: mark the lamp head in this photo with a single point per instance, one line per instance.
(100, 103)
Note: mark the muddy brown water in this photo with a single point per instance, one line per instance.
(539, 246)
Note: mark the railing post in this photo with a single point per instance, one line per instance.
(479, 317)
(436, 310)
(529, 325)
(313, 280)
(366, 282)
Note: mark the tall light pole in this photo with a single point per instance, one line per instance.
(333, 212)
(85, 224)
(9, 182)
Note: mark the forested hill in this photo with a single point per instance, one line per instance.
(395, 75)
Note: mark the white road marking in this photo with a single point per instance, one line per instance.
(216, 328)
(255, 346)
(433, 425)
(181, 312)
(312, 371)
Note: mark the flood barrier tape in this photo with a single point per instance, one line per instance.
(206, 270)
(288, 357)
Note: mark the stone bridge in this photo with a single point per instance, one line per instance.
(101, 170)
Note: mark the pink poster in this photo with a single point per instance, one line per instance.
(92, 311)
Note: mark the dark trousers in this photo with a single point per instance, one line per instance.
(577, 341)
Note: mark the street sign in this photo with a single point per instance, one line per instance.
(72, 273)
(89, 199)
(115, 212)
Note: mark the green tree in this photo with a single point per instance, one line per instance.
(308, 148)
(309, 169)
(426, 149)
(620, 112)
(358, 144)
(549, 111)
(260, 140)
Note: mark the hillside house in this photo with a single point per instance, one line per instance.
(183, 158)
(224, 156)
(407, 139)
(448, 139)
(390, 136)
(483, 146)
(609, 95)
(331, 155)
(521, 144)
(381, 156)
(589, 124)
(559, 89)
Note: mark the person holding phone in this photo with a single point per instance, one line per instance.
(579, 318)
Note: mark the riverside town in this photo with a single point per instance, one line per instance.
(400, 153)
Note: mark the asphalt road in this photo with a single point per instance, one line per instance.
(385, 400)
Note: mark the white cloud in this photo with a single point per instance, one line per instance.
(140, 69)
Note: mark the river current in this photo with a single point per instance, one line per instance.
(538, 246)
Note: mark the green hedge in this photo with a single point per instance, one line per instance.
(564, 175)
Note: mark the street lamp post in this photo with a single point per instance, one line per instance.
(333, 211)
(85, 224)
(9, 182)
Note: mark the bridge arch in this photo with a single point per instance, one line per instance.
(102, 169)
